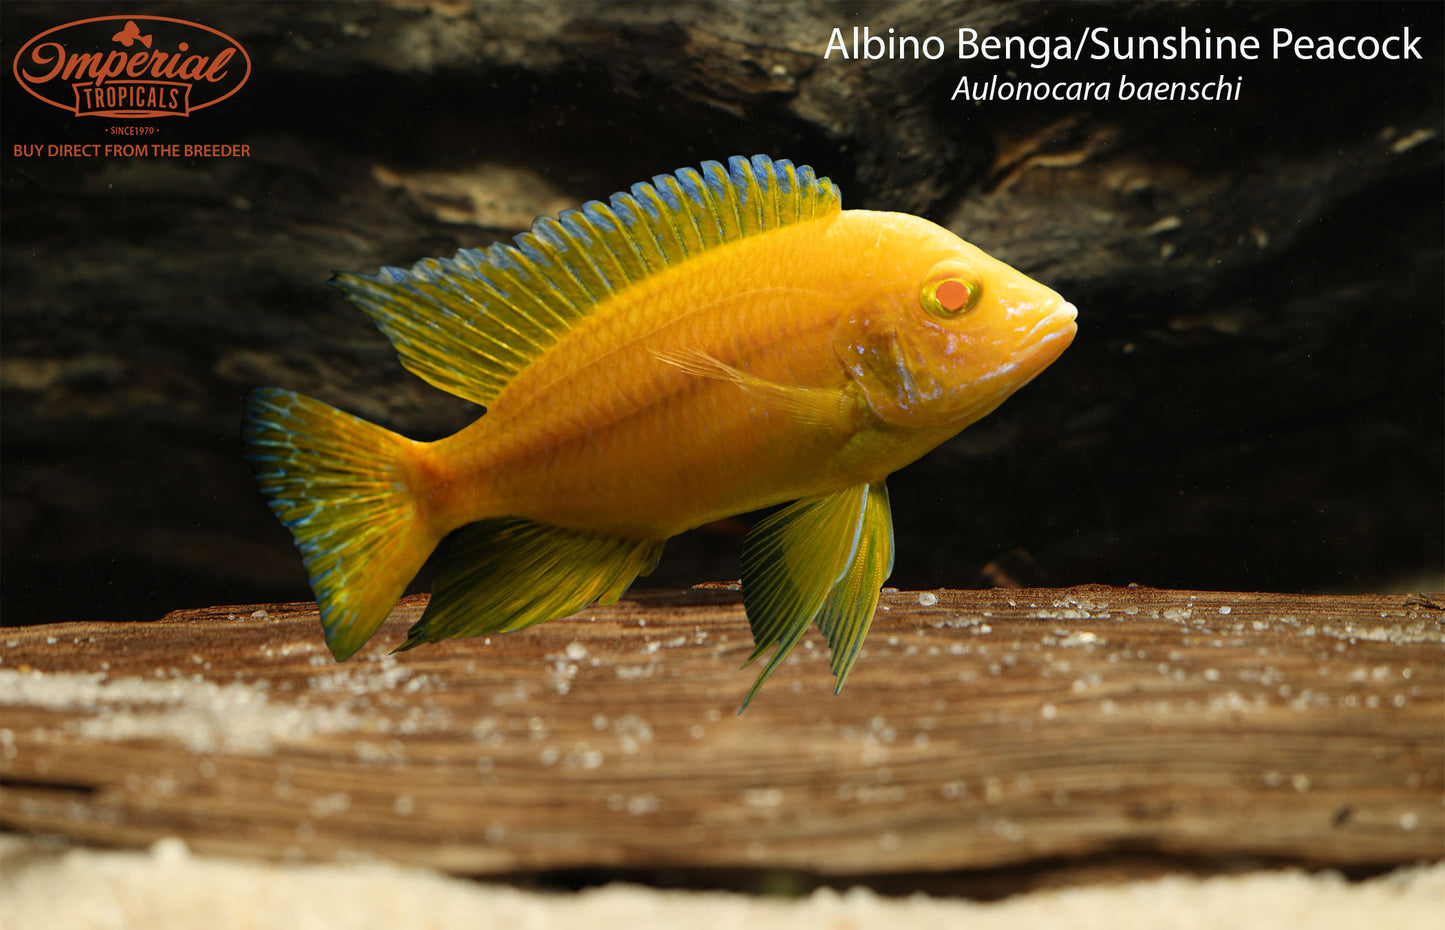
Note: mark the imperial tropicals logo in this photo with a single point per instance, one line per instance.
(132, 67)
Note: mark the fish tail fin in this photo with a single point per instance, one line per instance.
(340, 485)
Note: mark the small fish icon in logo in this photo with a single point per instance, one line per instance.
(130, 34)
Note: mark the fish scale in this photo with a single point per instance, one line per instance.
(645, 405)
(713, 342)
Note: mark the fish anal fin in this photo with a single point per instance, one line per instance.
(644, 560)
(792, 563)
(848, 610)
(824, 408)
(506, 574)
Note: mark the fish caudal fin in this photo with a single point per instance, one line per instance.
(338, 484)
(823, 559)
(506, 574)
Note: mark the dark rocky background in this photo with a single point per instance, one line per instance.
(1254, 399)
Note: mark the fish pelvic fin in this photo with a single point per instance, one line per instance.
(338, 483)
(823, 560)
(505, 574)
(468, 324)
(848, 611)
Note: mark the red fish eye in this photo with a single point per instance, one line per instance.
(953, 295)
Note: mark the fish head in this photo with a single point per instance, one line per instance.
(943, 332)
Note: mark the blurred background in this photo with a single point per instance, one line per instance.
(1254, 400)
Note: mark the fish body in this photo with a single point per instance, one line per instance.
(603, 434)
(703, 346)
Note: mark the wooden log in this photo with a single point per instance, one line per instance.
(979, 728)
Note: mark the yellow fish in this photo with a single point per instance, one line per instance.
(711, 343)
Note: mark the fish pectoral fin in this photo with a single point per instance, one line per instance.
(848, 611)
(821, 559)
(505, 574)
(828, 408)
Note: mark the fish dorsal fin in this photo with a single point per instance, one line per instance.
(468, 324)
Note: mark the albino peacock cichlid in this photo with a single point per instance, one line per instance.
(708, 344)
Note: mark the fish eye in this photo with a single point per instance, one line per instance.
(950, 296)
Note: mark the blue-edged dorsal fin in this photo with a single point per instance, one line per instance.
(468, 324)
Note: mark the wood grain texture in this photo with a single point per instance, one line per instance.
(979, 728)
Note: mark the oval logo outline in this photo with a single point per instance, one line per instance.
(124, 18)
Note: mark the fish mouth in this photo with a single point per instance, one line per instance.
(1047, 339)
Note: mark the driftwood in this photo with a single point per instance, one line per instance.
(979, 729)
